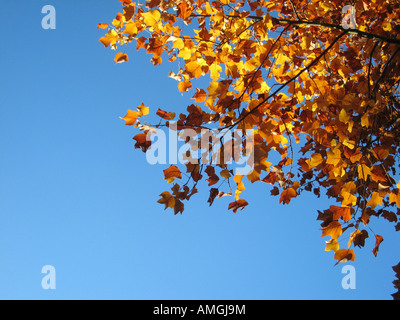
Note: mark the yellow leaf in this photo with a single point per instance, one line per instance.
(215, 70)
(334, 157)
(110, 38)
(343, 117)
(395, 197)
(348, 199)
(143, 111)
(151, 17)
(365, 120)
(315, 161)
(363, 172)
(194, 69)
(332, 245)
(353, 236)
(375, 200)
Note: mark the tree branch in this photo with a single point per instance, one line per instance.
(314, 62)
(299, 22)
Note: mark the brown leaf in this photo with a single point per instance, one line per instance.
(379, 240)
(213, 178)
(142, 142)
(213, 194)
(359, 239)
(240, 204)
(396, 296)
(165, 115)
(179, 207)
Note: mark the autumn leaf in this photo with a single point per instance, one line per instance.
(179, 207)
(239, 204)
(171, 173)
(344, 255)
(396, 269)
(167, 199)
(341, 213)
(165, 115)
(130, 118)
(213, 194)
(287, 195)
(142, 142)
(334, 229)
(332, 245)
(102, 26)
(121, 57)
(375, 200)
(212, 177)
(379, 240)
(151, 17)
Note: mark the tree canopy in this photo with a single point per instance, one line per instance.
(312, 85)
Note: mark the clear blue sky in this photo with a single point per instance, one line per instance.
(76, 195)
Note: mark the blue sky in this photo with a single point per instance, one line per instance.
(76, 195)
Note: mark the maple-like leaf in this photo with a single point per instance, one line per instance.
(344, 255)
(341, 213)
(167, 199)
(171, 173)
(239, 204)
(287, 195)
(130, 117)
(334, 229)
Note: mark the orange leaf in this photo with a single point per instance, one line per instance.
(167, 199)
(130, 118)
(344, 255)
(341, 212)
(142, 142)
(165, 115)
(379, 240)
(171, 173)
(184, 86)
(102, 26)
(200, 95)
(334, 229)
(287, 195)
(121, 57)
